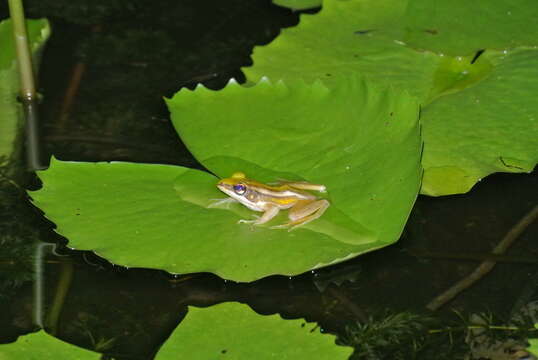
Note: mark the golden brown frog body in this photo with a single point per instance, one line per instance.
(270, 199)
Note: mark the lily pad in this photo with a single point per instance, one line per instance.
(157, 216)
(10, 124)
(359, 140)
(237, 332)
(490, 127)
(42, 346)
(453, 27)
(430, 49)
(359, 42)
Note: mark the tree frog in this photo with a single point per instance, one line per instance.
(270, 199)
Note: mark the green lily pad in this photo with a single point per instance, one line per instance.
(490, 127)
(356, 44)
(10, 126)
(461, 27)
(429, 49)
(42, 346)
(234, 331)
(361, 141)
(157, 216)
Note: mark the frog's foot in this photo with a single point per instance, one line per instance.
(245, 221)
(251, 223)
(289, 225)
(283, 226)
(221, 203)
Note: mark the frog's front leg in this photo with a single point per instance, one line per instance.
(270, 212)
(215, 203)
(304, 212)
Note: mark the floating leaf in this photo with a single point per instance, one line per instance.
(452, 27)
(478, 108)
(42, 346)
(360, 141)
(346, 37)
(490, 127)
(237, 332)
(157, 216)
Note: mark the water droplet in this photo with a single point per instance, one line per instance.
(348, 167)
(509, 13)
(399, 42)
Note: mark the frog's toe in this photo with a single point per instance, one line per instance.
(245, 221)
(283, 226)
(290, 226)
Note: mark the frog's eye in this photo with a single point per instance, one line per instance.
(240, 189)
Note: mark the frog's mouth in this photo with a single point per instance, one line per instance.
(226, 188)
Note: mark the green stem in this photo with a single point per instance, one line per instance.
(27, 85)
(24, 56)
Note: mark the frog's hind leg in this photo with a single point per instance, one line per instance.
(301, 185)
(304, 212)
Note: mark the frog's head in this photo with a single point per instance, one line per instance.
(243, 190)
(234, 186)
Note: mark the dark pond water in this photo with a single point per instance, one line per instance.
(103, 76)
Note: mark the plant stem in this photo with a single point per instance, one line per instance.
(27, 85)
(24, 57)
